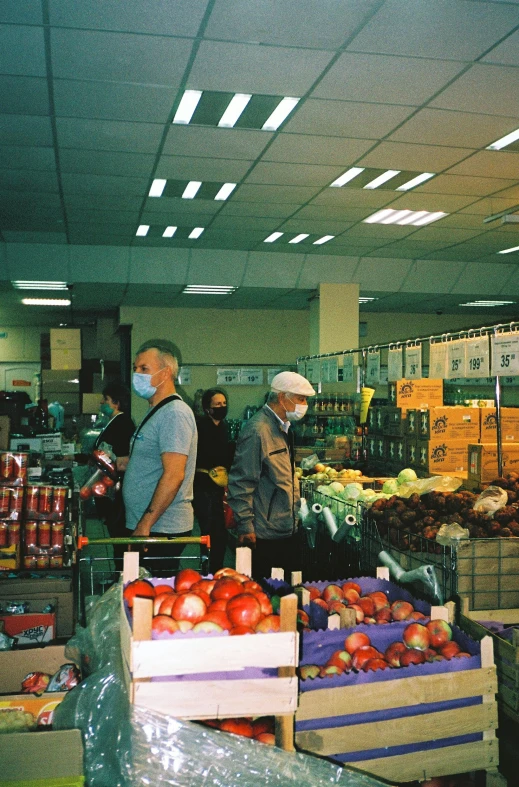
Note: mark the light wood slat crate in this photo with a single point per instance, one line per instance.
(420, 728)
(221, 698)
(488, 572)
(506, 652)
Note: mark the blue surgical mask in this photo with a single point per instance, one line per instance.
(142, 385)
(105, 409)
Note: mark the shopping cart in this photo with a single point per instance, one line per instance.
(95, 574)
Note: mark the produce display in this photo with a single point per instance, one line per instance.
(261, 729)
(229, 602)
(420, 643)
(347, 484)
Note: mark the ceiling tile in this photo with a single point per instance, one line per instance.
(251, 68)
(325, 212)
(99, 162)
(102, 218)
(325, 227)
(292, 174)
(29, 12)
(463, 221)
(489, 163)
(261, 270)
(279, 210)
(410, 249)
(22, 51)
(24, 95)
(499, 85)
(28, 158)
(110, 202)
(346, 119)
(108, 135)
(102, 184)
(386, 233)
(104, 56)
(453, 128)
(355, 198)
(112, 101)
(158, 266)
(311, 149)
(425, 276)
(174, 206)
(392, 278)
(477, 277)
(226, 143)
(444, 235)
(274, 194)
(204, 269)
(390, 80)
(25, 130)
(461, 184)
(204, 169)
(54, 261)
(243, 223)
(28, 180)
(230, 239)
(506, 53)
(91, 264)
(403, 156)
(448, 203)
(34, 237)
(28, 203)
(489, 206)
(323, 24)
(158, 19)
(398, 28)
(332, 269)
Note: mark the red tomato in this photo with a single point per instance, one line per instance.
(265, 603)
(163, 589)
(238, 630)
(263, 724)
(98, 489)
(226, 588)
(107, 481)
(189, 607)
(252, 587)
(139, 587)
(206, 585)
(237, 726)
(220, 604)
(244, 610)
(85, 492)
(203, 596)
(185, 578)
(219, 617)
(268, 624)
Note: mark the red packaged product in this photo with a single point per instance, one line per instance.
(3, 534)
(29, 562)
(44, 534)
(32, 494)
(5, 498)
(13, 534)
(45, 500)
(57, 535)
(35, 683)
(16, 502)
(31, 537)
(42, 561)
(20, 467)
(59, 498)
(56, 561)
(6, 467)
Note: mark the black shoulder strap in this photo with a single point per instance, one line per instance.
(152, 412)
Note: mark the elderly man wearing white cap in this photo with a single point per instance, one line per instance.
(263, 489)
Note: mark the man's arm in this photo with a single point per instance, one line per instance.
(243, 481)
(173, 472)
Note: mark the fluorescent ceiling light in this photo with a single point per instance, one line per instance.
(374, 184)
(196, 232)
(191, 189)
(415, 181)
(509, 251)
(208, 289)
(322, 240)
(487, 303)
(346, 177)
(283, 109)
(187, 106)
(226, 190)
(273, 237)
(40, 285)
(142, 230)
(365, 299)
(504, 141)
(234, 109)
(45, 302)
(157, 187)
(414, 218)
(169, 232)
(299, 238)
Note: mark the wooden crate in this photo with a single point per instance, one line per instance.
(488, 572)
(506, 652)
(420, 728)
(217, 697)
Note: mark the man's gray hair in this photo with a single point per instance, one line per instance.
(273, 396)
(166, 352)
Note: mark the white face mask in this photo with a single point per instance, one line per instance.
(298, 412)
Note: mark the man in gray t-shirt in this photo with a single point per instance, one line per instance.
(158, 483)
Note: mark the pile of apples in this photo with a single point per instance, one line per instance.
(261, 729)
(419, 644)
(229, 602)
(373, 608)
(324, 474)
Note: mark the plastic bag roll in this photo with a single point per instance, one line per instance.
(349, 519)
(304, 511)
(330, 522)
(317, 508)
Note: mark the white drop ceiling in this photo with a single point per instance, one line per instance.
(88, 92)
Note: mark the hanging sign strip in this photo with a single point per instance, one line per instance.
(251, 376)
(333, 370)
(395, 364)
(271, 373)
(478, 357)
(228, 377)
(325, 377)
(438, 360)
(505, 354)
(301, 368)
(348, 375)
(313, 371)
(413, 362)
(457, 359)
(373, 367)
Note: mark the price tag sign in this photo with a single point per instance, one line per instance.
(228, 377)
(348, 375)
(251, 376)
(333, 370)
(478, 357)
(301, 368)
(373, 368)
(438, 361)
(456, 359)
(271, 373)
(395, 364)
(184, 375)
(324, 370)
(505, 354)
(413, 362)
(313, 372)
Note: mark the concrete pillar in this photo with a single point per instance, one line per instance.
(334, 318)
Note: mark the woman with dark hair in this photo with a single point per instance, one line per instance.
(213, 461)
(115, 438)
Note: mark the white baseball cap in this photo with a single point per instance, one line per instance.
(291, 382)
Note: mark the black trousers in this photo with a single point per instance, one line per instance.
(161, 560)
(282, 553)
(111, 510)
(208, 507)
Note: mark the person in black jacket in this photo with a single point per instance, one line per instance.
(214, 450)
(115, 437)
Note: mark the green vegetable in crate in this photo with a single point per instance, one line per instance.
(14, 720)
(406, 476)
(336, 487)
(352, 491)
(390, 487)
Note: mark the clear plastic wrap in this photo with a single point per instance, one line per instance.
(491, 499)
(440, 483)
(129, 746)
